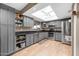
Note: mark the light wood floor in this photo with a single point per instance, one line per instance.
(46, 48)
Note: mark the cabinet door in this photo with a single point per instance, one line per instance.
(40, 36)
(46, 35)
(36, 37)
(31, 38)
(58, 36)
(43, 35)
(4, 40)
(3, 16)
(11, 18)
(28, 22)
(27, 39)
(11, 39)
(54, 36)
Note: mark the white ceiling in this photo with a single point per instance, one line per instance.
(61, 10)
(17, 6)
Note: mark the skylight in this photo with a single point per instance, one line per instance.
(46, 14)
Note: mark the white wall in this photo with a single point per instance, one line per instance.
(77, 32)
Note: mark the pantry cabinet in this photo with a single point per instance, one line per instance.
(7, 30)
(11, 39)
(3, 40)
(3, 16)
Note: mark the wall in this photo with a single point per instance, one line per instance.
(57, 23)
(77, 32)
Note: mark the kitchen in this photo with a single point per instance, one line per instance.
(28, 28)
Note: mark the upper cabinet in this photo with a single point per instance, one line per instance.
(7, 15)
(24, 23)
(55, 23)
(28, 22)
(3, 17)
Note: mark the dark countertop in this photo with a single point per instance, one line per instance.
(34, 31)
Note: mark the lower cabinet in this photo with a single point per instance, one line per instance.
(40, 36)
(58, 36)
(54, 36)
(45, 35)
(36, 37)
(29, 39)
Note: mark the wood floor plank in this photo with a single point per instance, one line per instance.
(46, 48)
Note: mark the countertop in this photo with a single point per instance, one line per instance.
(34, 31)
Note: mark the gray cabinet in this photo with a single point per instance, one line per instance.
(36, 37)
(45, 35)
(41, 36)
(3, 16)
(4, 40)
(28, 22)
(29, 39)
(7, 17)
(54, 36)
(10, 17)
(58, 36)
(7, 40)
(7, 33)
(11, 39)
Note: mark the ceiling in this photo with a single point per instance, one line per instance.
(18, 6)
(61, 10)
